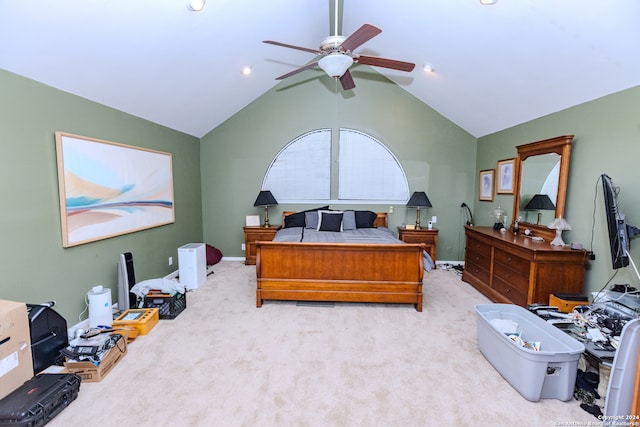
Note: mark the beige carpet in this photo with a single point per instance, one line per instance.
(224, 362)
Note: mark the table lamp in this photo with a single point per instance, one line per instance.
(418, 200)
(266, 199)
(540, 202)
(559, 224)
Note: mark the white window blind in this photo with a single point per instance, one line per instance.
(302, 169)
(368, 170)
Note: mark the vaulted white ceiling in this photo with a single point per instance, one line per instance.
(495, 66)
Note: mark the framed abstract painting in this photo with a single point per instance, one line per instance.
(109, 189)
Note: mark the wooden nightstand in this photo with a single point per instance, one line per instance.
(252, 234)
(423, 235)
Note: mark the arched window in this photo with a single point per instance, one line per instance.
(367, 170)
(302, 169)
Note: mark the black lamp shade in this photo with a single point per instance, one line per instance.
(265, 198)
(419, 199)
(540, 202)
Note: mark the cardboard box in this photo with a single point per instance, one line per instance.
(16, 363)
(91, 373)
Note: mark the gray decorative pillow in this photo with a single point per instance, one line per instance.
(311, 219)
(349, 220)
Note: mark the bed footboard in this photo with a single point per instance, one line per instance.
(345, 272)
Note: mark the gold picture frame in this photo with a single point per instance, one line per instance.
(505, 183)
(485, 187)
(108, 189)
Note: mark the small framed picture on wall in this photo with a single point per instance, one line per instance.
(486, 185)
(505, 176)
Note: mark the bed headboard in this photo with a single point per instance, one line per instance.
(382, 218)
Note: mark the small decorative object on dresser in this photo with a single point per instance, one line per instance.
(560, 225)
(427, 236)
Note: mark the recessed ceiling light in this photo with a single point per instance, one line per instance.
(488, 2)
(428, 68)
(196, 5)
(246, 70)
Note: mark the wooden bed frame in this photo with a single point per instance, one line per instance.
(345, 272)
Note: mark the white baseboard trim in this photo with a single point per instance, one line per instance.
(172, 275)
(233, 258)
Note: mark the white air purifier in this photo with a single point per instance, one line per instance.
(100, 311)
(192, 265)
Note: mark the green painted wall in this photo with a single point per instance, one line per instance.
(437, 156)
(607, 140)
(35, 267)
(217, 179)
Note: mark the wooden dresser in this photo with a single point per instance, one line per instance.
(514, 269)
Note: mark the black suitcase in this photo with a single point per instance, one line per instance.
(38, 400)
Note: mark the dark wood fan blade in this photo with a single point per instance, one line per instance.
(362, 35)
(298, 70)
(384, 62)
(347, 81)
(306, 49)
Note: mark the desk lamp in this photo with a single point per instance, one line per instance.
(540, 202)
(266, 199)
(418, 200)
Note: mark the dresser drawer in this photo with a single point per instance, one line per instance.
(514, 262)
(477, 271)
(479, 247)
(510, 292)
(481, 259)
(517, 279)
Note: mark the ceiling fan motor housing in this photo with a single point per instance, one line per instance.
(332, 44)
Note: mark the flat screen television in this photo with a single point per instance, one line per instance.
(620, 233)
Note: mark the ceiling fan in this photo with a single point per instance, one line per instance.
(336, 54)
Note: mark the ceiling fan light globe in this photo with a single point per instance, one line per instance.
(196, 5)
(335, 64)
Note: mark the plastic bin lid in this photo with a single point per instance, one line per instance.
(623, 372)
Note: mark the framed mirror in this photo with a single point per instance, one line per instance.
(541, 187)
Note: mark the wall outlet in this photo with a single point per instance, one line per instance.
(243, 247)
(390, 209)
(434, 219)
(170, 260)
